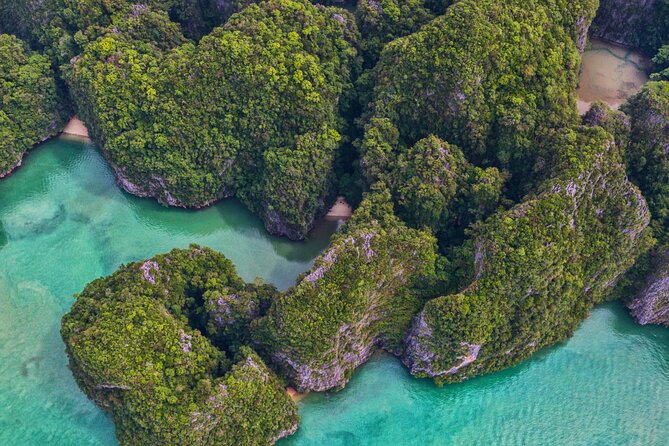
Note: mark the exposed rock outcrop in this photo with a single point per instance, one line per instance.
(651, 304)
(626, 22)
(355, 299)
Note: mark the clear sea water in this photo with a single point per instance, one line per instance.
(63, 222)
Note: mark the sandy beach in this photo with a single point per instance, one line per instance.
(76, 127)
(340, 211)
(294, 394)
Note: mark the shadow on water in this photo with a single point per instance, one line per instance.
(231, 215)
(652, 338)
(28, 224)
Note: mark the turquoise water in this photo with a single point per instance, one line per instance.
(608, 385)
(63, 222)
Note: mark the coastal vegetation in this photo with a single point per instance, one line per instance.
(356, 298)
(490, 217)
(268, 133)
(137, 347)
(30, 106)
(539, 267)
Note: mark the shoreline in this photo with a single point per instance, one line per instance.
(294, 394)
(75, 127)
(341, 210)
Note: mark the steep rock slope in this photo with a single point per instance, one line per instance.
(355, 299)
(651, 304)
(540, 266)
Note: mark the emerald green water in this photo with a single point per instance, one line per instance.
(63, 222)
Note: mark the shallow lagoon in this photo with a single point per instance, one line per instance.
(63, 222)
(610, 73)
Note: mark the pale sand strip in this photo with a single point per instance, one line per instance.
(76, 128)
(294, 394)
(340, 210)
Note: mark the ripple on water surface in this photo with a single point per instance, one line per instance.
(63, 222)
(608, 385)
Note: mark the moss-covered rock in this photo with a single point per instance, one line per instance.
(355, 299)
(30, 108)
(136, 349)
(539, 267)
(252, 110)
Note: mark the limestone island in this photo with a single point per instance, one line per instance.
(499, 168)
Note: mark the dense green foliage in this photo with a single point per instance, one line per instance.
(648, 158)
(381, 21)
(539, 266)
(468, 137)
(489, 76)
(650, 303)
(355, 298)
(62, 26)
(136, 350)
(434, 186)
(30, 107)
(252, 110)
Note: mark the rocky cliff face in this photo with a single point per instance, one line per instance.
(651, 304)
(355, 299)
(540, 266)
(439, 81)
(627, 22)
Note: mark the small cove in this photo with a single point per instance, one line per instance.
(610, 73)
(63, 223)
